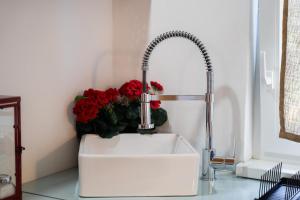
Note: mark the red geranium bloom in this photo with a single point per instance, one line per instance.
(156, 86)
(85, 110)
(155, 104)
(132, 89)
(112, 94)
(97, 96)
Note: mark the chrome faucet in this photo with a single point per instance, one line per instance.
(208, 172)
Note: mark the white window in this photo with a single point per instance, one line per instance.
(270, 145)
(268, 148)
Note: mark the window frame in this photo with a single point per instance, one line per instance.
(267, 50)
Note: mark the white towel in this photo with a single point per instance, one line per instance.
(6, 190)
(7, 151)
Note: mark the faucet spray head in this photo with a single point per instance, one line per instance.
(145, 112)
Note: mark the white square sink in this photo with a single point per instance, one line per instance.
(137, 165)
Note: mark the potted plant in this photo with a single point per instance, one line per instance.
(115, 111)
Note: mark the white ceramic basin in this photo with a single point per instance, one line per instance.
(137, 165)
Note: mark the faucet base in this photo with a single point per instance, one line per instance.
(146, 126)
(208, 172)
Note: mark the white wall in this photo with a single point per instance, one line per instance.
(225, 29)
(49, 52)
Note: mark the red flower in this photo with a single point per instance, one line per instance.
(112, 94)
(85, 110)
(155, 104)
(97, 96)
(132, 89)
(156, 86)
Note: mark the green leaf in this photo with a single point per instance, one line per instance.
(118, 118)
(112, 116)
(159, 116)
(84, 128)
(131, 114)
(78, 97)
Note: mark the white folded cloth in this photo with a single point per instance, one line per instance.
(6, 190)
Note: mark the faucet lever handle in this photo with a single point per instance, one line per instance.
(178, 97)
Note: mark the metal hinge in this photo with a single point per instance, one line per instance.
(20, 149)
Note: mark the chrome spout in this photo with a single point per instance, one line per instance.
(208, 153)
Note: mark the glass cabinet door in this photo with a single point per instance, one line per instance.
(7, 153)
